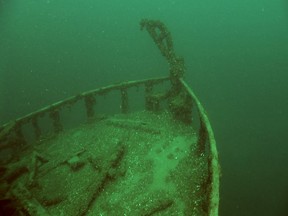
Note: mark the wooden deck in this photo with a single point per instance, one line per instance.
(127, 164)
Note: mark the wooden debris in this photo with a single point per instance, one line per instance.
(110, 173)
(157, 207)
(15, 173)
(27, 202)
(133, 125)
(53, 165)
(37, 161)
(75, 163)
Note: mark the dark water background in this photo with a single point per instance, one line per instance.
(236, 54)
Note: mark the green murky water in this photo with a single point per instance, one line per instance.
(236, 54)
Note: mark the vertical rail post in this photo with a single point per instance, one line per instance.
(36, 128)
(55, 116)
(89, 104)
(19, 134)
(148, 93)
(124, 100)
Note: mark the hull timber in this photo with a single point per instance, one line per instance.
(153, 152)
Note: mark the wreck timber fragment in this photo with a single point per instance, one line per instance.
(27, 201)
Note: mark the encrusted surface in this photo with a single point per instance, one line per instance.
(133, 164)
